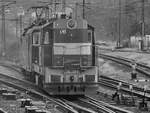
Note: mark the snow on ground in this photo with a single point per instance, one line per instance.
(139, 57)
(10, 72)
(119, 72)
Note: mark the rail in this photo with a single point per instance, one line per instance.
(32, 90)
(113, 108)
(138, 91)
(141, 68)
(87, 109)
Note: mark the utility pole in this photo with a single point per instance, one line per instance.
(3, 30)
(17, 33)
(119, 27)
(63, 5)
(56, 2)
(3, 6)
(83, 9)
(143, 24)
(55, 5)
(76, 10)
(126, 6)
(20, 14)
(16, 20)
(21, 28)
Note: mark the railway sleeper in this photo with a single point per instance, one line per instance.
(124, 99)
(120, 98)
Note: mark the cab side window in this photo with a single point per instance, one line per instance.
(36, 38)
(89, 36)
(46, 38)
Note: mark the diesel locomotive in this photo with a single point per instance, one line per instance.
(59, 55)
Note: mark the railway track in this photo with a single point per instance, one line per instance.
(121, 50)
(78, 107)
(97, 106)
(113, 83)
(90, 105)
(108, 106)
(86, 106)
(142, 68)
(10, 65)
(33, 91)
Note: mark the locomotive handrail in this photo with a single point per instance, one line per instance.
(71, 48)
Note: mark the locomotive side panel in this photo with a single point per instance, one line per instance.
(26, 52)
(47, 45)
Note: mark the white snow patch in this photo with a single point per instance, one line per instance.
(8, 72)
(118, 74)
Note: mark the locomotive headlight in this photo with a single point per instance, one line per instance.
(71, 78)
(63, 31)
(58, 61)
(84, 61)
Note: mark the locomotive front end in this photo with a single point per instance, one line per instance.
(73, 58)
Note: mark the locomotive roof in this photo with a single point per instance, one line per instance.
(40, 26)
(33, 26)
